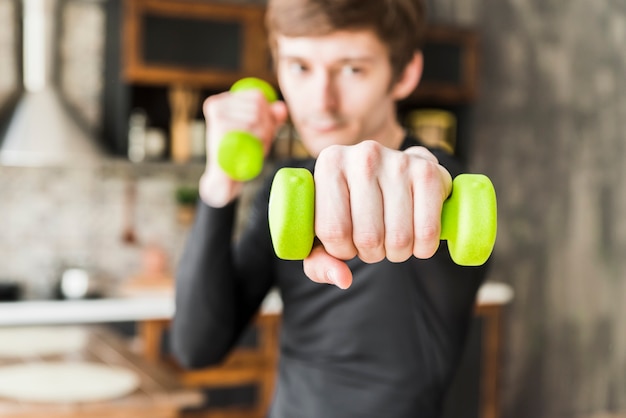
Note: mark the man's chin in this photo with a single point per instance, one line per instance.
(315, 142)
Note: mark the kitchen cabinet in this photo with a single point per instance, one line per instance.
(142, 66)
(159, 395)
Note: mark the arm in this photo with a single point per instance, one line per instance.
(204, 328)
(220, 285)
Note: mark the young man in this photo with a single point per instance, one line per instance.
(383, 336)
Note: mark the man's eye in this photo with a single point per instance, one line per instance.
(297, 68)
(351, 69)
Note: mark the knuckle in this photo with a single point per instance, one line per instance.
(397, 240)
(367, 240)
(426, 241)
(368, 157)
(404, 162)
(368, 146)
(253, 117)
(427, 234)
(426, 171)
(422, 152)
(331, 156)
(330, 234)
(399, 168)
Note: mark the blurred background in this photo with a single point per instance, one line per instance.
(101, 149)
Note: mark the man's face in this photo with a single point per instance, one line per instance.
(337, 88)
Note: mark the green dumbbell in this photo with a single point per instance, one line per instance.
(468, 217)
(240, 154)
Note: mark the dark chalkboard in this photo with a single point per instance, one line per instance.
(191, 43)
(442, 63)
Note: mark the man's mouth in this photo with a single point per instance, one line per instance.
(323, 125)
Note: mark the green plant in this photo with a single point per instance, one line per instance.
(186, 195)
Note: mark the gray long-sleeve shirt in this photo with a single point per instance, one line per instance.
(385, 347)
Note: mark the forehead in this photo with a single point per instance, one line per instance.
(336, 46)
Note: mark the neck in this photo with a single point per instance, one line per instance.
(392, 134)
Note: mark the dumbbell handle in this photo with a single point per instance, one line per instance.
(468, 218)
(240, 154)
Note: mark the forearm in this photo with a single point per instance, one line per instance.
(216, 188)
(204, 328)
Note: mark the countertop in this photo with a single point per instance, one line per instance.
(155, 306)
(136, 308)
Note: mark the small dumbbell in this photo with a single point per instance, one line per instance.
(468, 217)
(240, 154)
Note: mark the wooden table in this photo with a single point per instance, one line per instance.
(160, 394)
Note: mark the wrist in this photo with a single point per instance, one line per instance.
(216, 189)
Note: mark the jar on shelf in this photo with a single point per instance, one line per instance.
(436, 128)
(137, 126)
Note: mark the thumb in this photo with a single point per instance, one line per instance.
(322, 267)
(279, 112)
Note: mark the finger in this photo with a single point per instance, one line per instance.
(226, 111)
(366, 202)
(333, 220)
(421, 152)
(279, 112)
(321, 267)
(398, 209)
(274, 115)
(248, 109)
(431, 186)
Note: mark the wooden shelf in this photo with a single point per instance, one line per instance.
(451, 53)
(219, 43)
(451, 58)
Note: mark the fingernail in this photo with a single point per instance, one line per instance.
(331, 276)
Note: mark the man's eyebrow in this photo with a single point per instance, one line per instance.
(365, 58)
(345, 60)
(291, 57)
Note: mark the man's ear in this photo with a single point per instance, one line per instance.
(410, 77)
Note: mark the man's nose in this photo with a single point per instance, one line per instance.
(324, 96)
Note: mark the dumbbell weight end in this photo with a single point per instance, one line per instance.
(253, 83)
(240, 155)
(469, 219)
(291, 213)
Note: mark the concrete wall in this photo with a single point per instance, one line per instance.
(549, 130)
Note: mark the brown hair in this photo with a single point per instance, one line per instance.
(399, 24)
